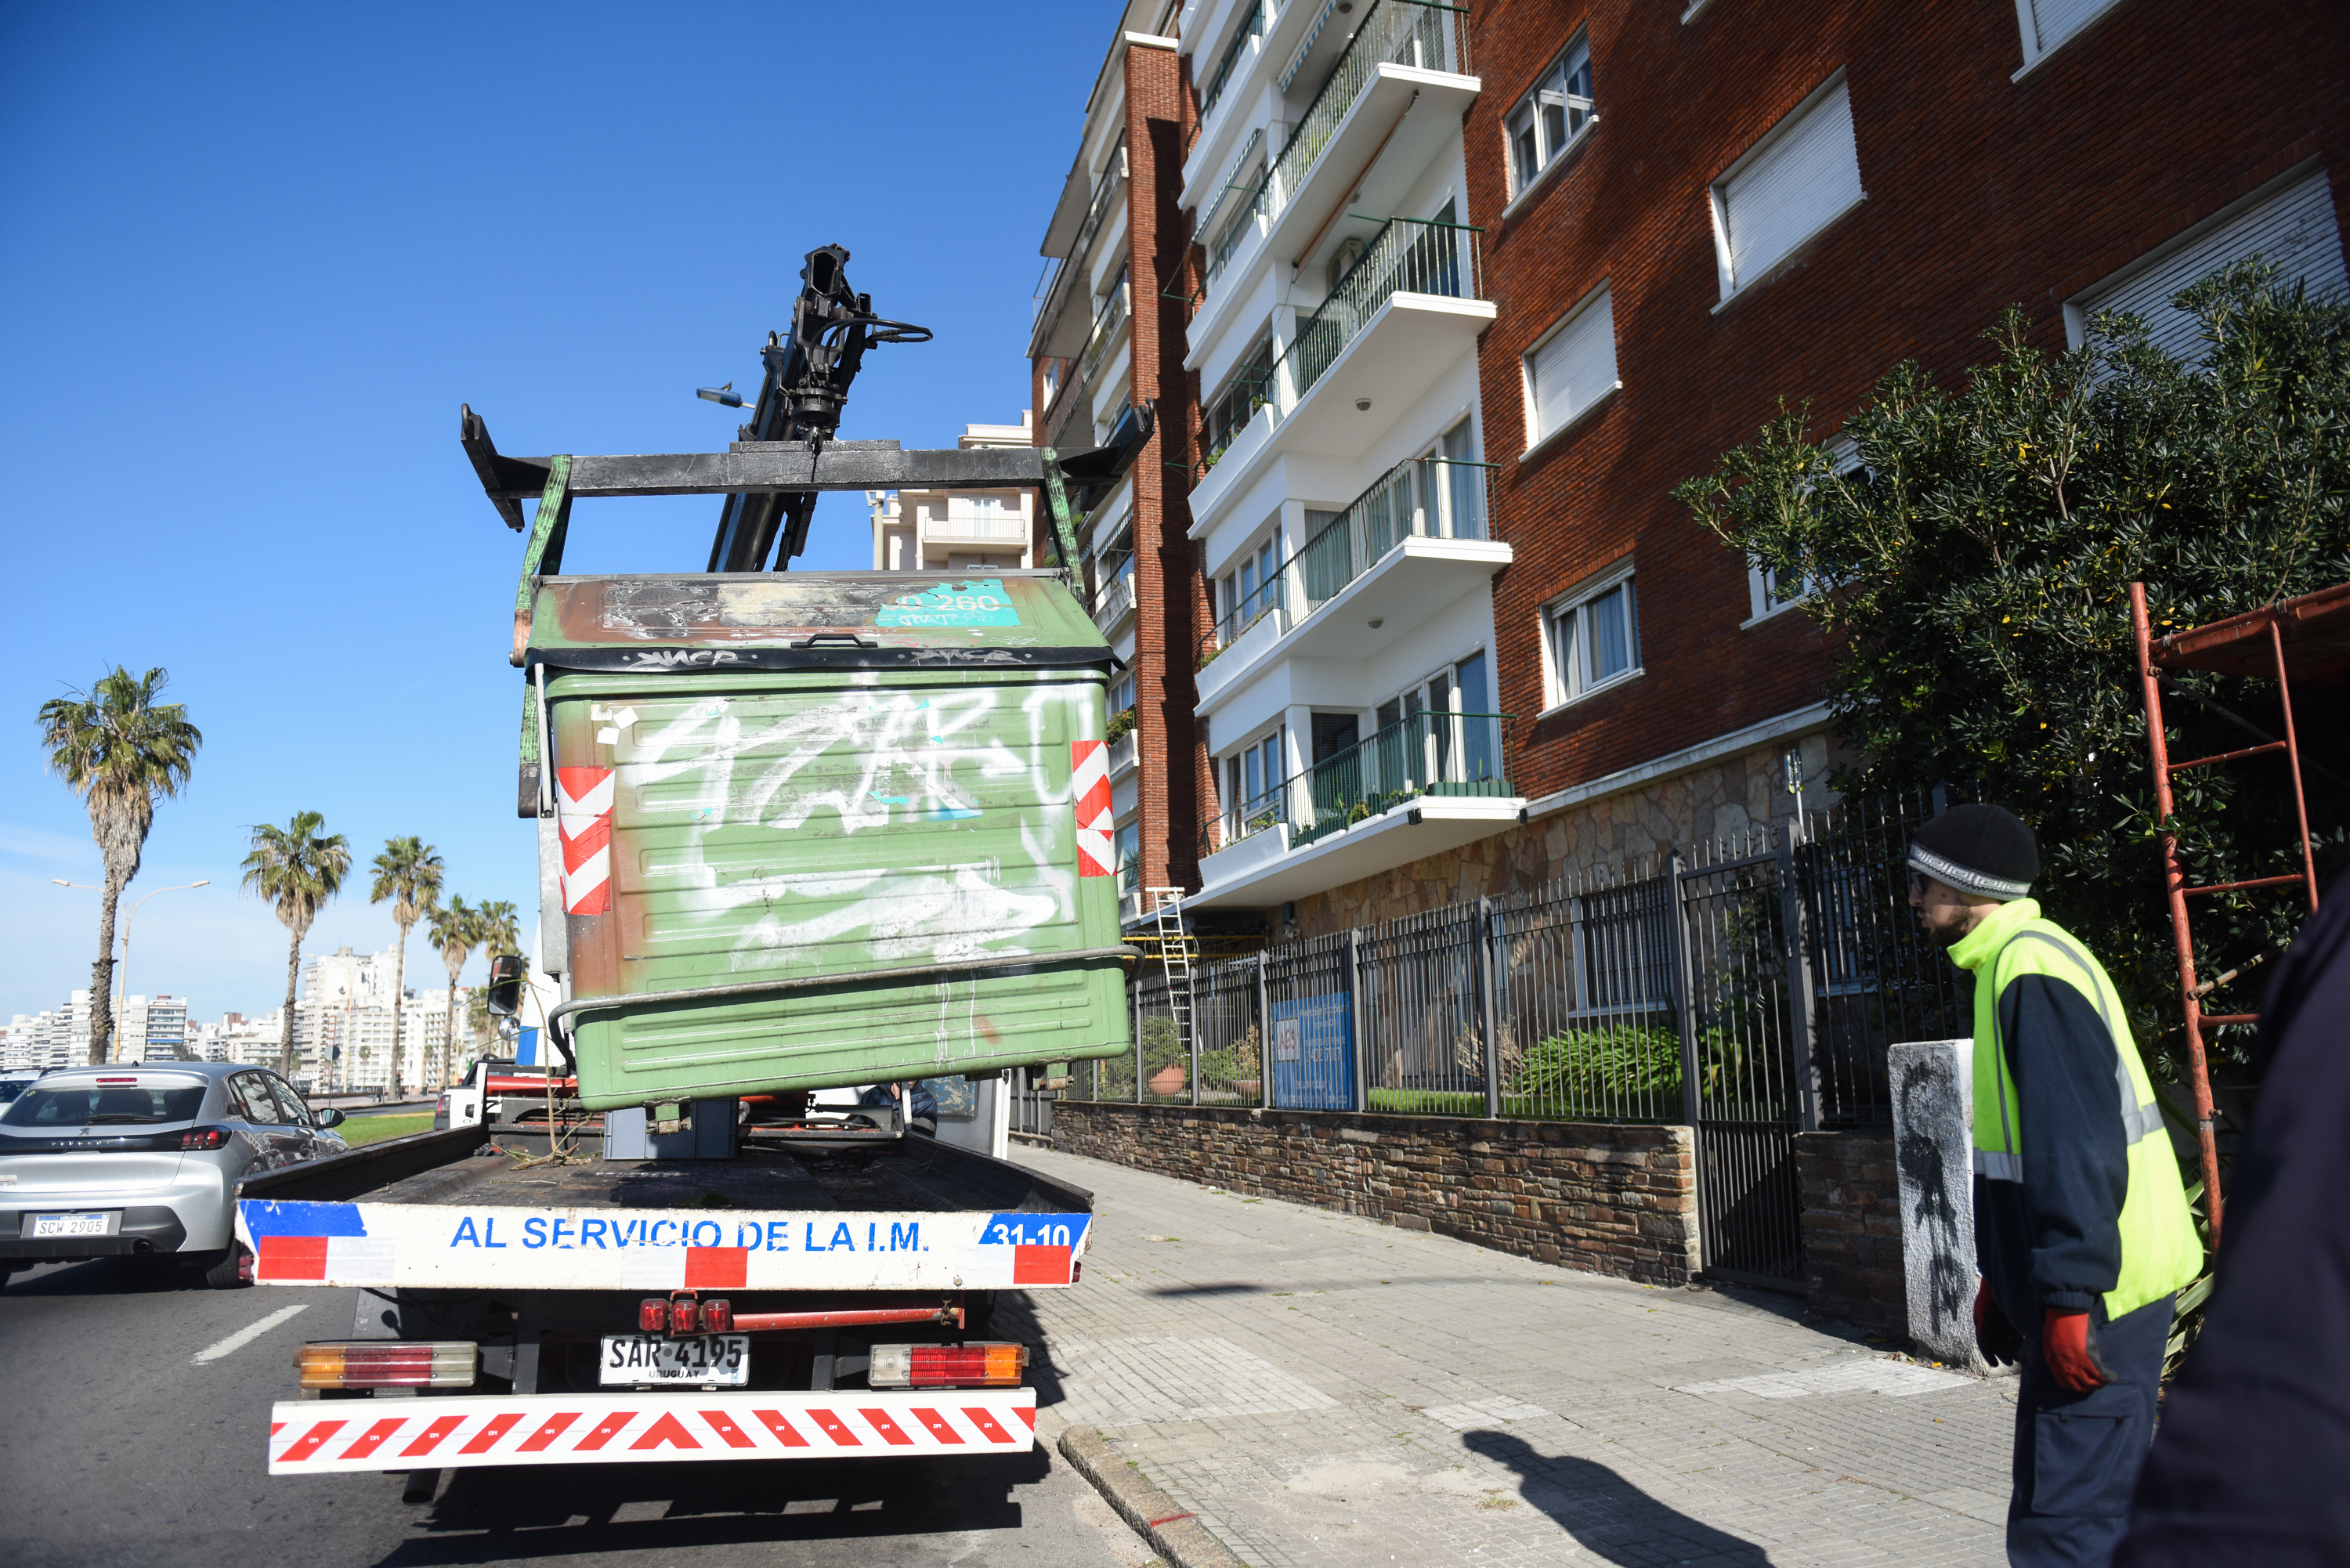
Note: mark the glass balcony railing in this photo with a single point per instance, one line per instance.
(1394, 32)
(1104, 336)
(1239, 203)
(1071, 280)
(1424, 497)
(1423, 753)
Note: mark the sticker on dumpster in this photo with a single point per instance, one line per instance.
(974, 601)
(583, 819)
(1090, 788)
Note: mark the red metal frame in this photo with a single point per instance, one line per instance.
(2319, 626)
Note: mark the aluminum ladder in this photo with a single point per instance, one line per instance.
(1175, 960)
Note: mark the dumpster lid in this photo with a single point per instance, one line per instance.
(858, 620)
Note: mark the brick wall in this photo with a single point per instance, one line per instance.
(1852, 1228)
(1982, 190)
(1610, 1200)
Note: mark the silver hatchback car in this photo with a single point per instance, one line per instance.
(145, 1160)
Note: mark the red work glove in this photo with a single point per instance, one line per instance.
(2070, 1343)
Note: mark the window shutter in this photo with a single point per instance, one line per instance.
(1575, 367)
(2294, 228)
(1807, 174)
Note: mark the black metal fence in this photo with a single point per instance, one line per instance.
(1748, 990)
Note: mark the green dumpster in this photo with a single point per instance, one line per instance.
(826, 828)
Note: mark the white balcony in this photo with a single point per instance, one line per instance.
(1430, 781)
(1399, 121)
(1396, 323)
(1122, 756)
(1261, 870)
(1114, 602)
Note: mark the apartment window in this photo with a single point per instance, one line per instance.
(1245, 391)
(1253, 779)
(1549, 119)
(2048, 23)
(2290, 223)
(1594, 638)
(1121, 694)
(1793, 184)
(1252, 587)
(1452, 487)
(1435, 731)
(1571, 368)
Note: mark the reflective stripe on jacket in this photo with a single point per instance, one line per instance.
(2160, 1252)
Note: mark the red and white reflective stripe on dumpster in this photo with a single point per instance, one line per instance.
(583, 820)
(1089, 789)
(310, 1438)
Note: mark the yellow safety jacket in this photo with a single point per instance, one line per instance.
(2160, 1252)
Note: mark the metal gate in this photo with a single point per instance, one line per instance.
(1742, 1089)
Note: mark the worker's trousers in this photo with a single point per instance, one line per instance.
(2076, 1455)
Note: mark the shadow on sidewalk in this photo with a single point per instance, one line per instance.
(1608, 1515)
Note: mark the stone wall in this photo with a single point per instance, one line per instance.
(1852, 1228)
(1611, 1200)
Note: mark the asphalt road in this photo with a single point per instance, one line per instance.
(122, 1448)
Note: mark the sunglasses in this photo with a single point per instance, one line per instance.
(1918, 881)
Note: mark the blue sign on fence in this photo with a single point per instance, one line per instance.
(1314, 1054)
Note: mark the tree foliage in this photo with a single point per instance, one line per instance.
(295, 869)
(1975, 566)
(120, 749)
(408, 873)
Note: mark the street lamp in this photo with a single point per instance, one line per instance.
(125, 975)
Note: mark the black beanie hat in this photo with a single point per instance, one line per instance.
(1985, 850)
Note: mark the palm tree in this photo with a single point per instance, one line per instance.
(452, 927)
(498, 930)
(118, 749)
(298, 870)
(408, 873)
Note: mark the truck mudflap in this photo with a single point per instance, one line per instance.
(309, 1438)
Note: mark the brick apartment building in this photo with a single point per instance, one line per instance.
(1691, 211)
(1107, 355)
(1682, 213)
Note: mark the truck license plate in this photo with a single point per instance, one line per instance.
(47, 1225)
(721, 1358)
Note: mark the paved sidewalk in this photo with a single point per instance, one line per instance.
(1322, 1389)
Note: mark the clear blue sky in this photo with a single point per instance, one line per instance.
(252, 259)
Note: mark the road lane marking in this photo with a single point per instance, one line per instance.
(244, 1336)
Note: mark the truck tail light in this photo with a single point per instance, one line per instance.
(682, 1315)
(717, 1316)
(652, 1315)
(989, 1366)
(205, 1138)
(389, 1364)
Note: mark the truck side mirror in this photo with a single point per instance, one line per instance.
(506, 984)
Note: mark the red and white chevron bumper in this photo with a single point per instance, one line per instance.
(583, 820)
(310, 1438)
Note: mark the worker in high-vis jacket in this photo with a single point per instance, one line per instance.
(2082, 1228)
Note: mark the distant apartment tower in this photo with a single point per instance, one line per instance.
(1107, 355)
(960, 530)
(151, 1028)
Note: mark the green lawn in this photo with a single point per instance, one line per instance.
(375, 1130)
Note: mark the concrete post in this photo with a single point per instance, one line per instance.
(1933, 1158)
